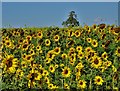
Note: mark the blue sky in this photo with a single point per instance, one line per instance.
(41, 14)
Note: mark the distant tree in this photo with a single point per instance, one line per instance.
(72, 20)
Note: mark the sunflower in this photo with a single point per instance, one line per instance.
(87, 50)
(79, 48)
(31, 84)
(25, 46)
(56, 65)
(56, 38)
(80, 55)
(73, 57)
(28, 37)
(45, 73)
(79, 66)
(46, 79)
(70, 33)
(77, 74)
(20, 41)
(77, 33)
(50, 86)
(47, 42)
(72, 49)
(89, 40)
(57, 50)
(116, 31)
(117, 39)
(94, 26)
(102, 26)
(82, 84)
(23, 56)
(41, 71)
(64, 56)
(40, 34)
(114, 69)
(66, 72)
(8, 44)
(47, 60)
(88, 28)
(71, 53)
(32, 52)
(33, 75)
(103, 36)
(32, 46)
(61, 65)
(117, 52)
(25, 41)
(66, 86)
(50, 56)
(19, 73)
(107, 63)
(98, 80)
(38, 48)
(104, 55)
(10, 63)
(72, 62)
(96, 62)
(52, 68)
(28, 58)
(94, 43)
(23, 64)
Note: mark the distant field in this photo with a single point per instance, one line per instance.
(61, 58)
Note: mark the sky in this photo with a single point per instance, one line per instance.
(42, 14)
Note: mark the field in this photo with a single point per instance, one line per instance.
(85, 57)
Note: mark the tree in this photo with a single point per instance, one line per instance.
(71, 21)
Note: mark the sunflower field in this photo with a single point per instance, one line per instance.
(56, 58)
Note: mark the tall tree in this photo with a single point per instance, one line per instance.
(71, 21)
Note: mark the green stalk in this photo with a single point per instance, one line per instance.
(90, 86)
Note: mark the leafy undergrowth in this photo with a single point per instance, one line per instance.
(61, 58)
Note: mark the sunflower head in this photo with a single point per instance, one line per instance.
(79, 48)
(105, 55)
(40, 34)
(28, 37)
(38, 48)
(52, 68)
(88, 49)
(66, 72)
(94, 26)
(10, 63)
(50, 55)
(50, 86)
(80, 55)
(94, 43)
(96, 62)
(98, 80)
(46, 79)
(117, 52)
(82, 84)
(70, 33)
(77, 33)
(47, 42)
(56, 38)
(25, 46)
(89, 40)
(64, 56)
(66, 86)
(57, 50)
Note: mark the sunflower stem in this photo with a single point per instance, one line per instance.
(90, 86)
